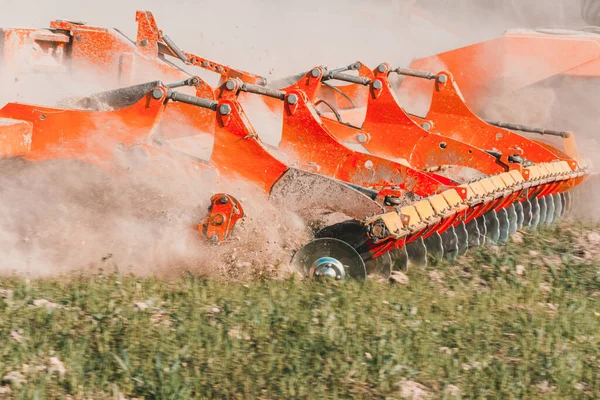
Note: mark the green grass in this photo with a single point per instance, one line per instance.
(484, 326)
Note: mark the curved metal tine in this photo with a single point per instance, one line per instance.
(550, 209)
(475, 239)
(463, 238)
(434, 246)
(543, 210)
(527, 213)
(493, 227)
(417, 253)
(482, 223)
(569, 202)
(563, 198)
(513, 218)
(503, 226)
(399, 259)
(450, 242)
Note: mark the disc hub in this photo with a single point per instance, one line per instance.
(327, 267)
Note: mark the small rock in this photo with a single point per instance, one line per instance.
(6, 293)
(5, 390)
(141, 306)
(533, 253)
(593, 238)
(520, 270)
(213, 310)
(368, 356)
(57, 366)
(399, 277)
(452, 391)
(579, 386)
(517, 237)
(48, 305)
(544, 387)
(413, 390)
(546, 288)
(445, 350)
(436, 276)
(16, 337)
(14, 378)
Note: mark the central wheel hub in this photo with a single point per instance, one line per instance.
(327, 267)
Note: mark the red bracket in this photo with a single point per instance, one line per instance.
(225, 211)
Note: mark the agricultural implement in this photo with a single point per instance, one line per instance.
(407, 187)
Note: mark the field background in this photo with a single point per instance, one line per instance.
(518, 321)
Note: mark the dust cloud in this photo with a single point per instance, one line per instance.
(63, 216)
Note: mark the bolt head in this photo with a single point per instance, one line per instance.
(377, 85)
(381, 68)
(214, 239)
(224, 199)
(224, 109)
(230, 85)
(157, 93)
(315, 72)
(426, 126)
(442, 78)
(361, 138)
(292, 99)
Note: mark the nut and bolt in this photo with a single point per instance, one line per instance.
(315, 72)
(377, 85)
(292, 99)
(230, 85)
(224, 109)
(442, 78)
(157, 93)
(381, 68)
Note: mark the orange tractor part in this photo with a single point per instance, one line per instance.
(401, 192)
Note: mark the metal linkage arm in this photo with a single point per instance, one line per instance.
(530, 129)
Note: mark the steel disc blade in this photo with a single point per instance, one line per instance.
(492, 226)
(334, 248)
(474, 233)
(568, 202)
(399, 259)
(503, 226)
(450, 242)
(381, 266)
(543, 210)
(417, 253)
(528, 208)
(535, 213)
(550, 214)
(434, 246)
(513, 218)
(463, 238)
(482, 222)
(520, 214)
(563, 201)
